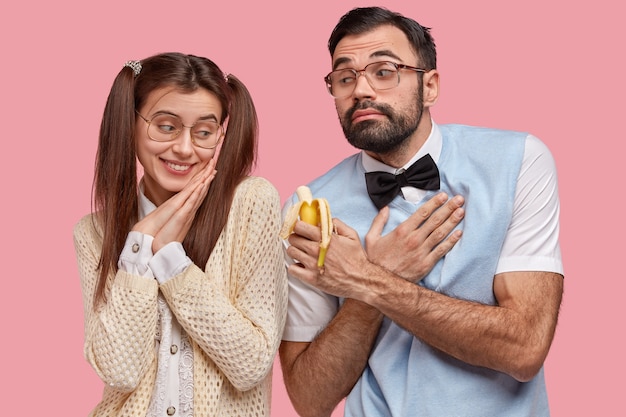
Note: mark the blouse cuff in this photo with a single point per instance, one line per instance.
(169, 261)
(136, 254)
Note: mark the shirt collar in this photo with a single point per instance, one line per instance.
(145, 205)
(432, 146)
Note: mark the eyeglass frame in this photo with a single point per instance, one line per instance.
(358, 73)
(149, 122)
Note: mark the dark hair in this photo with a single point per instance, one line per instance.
(115, 186)
(362, 20)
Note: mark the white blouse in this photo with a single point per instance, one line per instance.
(173, 391)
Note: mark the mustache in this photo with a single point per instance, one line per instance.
(380, 107)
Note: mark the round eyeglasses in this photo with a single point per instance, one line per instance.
(165, 127)
(380, 76)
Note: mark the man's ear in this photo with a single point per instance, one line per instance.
(430, 80)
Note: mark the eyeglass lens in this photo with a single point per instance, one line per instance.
(165, 127)
(380, 75)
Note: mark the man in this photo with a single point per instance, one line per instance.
(410, 322)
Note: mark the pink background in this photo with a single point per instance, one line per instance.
(547, 67)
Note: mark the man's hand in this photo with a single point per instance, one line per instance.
(412, 249)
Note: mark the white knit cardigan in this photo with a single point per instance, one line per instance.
(233, 311)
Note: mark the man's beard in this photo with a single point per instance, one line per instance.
(382, 136)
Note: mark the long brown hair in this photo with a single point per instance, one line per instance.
(115, 186)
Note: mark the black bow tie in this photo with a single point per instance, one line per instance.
(384, 187)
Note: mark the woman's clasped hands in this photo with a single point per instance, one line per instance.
(171, 221)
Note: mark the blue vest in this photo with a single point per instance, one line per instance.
(404, 376)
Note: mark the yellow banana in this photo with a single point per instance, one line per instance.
(313, 211)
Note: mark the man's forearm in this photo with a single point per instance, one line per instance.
(322, 374)
(513, 337)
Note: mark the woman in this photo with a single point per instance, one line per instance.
(183, 280)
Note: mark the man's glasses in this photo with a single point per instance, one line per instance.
(164, 127)
(380, 76)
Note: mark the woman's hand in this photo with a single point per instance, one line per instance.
(171, 221)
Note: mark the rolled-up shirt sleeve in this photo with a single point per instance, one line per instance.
(532, 240)
(309, 310)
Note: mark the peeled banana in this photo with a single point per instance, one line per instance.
(313, 211)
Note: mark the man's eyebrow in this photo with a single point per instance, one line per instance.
(340, 61)
(386, 53)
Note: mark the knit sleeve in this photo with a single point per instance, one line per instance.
(235, 309)
(119, 332)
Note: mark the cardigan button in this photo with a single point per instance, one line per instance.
(171, 410)
(173, 349)
(135, 247)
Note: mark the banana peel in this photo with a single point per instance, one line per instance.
(315, 211)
